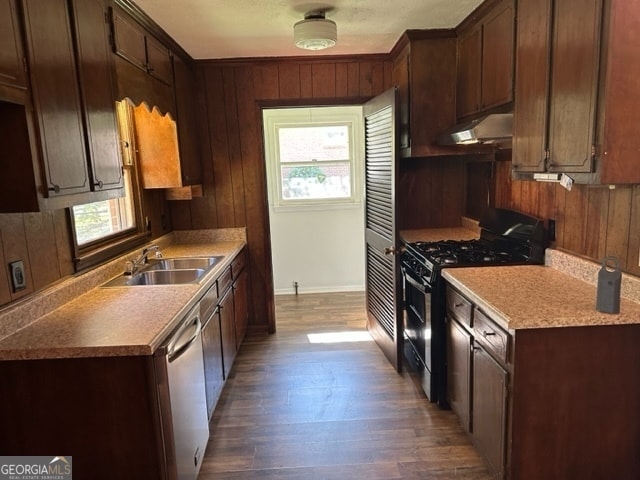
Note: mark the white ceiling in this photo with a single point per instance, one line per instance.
(209, 29)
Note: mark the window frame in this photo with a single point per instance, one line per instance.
(276, 118)
(108, 247)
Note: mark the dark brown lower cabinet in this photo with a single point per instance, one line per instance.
(459, 371)
(241, 305)
(103, 412)
(227, 330)
(213, 368)
(489, 409)
(546, 403)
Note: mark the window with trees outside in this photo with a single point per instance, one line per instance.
(312, 156)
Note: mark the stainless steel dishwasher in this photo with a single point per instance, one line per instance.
(181, 393)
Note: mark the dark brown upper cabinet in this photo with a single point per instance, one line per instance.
(186, 97)
(97, 82)
(12, 61)
(424, 70)
(485, 58)
(56, 96)
(577, 104)
(63, 141)
(133, 43)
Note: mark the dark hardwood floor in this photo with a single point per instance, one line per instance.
(293, 409)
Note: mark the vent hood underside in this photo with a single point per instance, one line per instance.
(496, 128)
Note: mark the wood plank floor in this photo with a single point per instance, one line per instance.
(293, 409)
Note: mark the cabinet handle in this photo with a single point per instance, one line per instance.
(99, 184)
(55, 188)
(458, 305)
(488, 334)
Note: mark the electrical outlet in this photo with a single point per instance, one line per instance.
(18, 278)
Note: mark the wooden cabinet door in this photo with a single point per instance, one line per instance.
(621, 102)
(227, 330)
(185, 90)
(213, 368)
(56, 95)
(12, 66)
(469, 68)
(497, 56)
(241, 305)
(129, 39)
(96, 68)
(159, 61)
(459, 372)
(574, 83)
(489, 412)
(531, 90)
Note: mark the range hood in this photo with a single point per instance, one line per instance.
(496, 128)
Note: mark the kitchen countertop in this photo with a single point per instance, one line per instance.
(118, 321)
(536, 296)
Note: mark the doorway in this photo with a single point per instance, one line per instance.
(314, 165)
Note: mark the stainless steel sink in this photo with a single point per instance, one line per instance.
(165, 277)
(181, 263)
(167, 271)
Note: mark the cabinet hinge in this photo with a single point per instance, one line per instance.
(594, 151)
(25, 65)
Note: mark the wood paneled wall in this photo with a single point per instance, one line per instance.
(591, 221)
(42, 242)
(233, 94)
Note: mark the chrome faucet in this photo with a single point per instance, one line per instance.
(132, 267)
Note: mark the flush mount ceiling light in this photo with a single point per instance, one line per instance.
(315, 32)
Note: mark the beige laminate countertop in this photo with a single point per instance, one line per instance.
(117, 321)
(535, 296)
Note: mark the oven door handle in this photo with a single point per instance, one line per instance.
(416, 283)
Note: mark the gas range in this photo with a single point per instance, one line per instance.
(506, 238)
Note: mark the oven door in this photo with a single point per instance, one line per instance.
(417, 324)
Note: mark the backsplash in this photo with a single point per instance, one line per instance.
(24, 312)
(587, 271)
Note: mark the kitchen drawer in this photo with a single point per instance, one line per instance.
(224, 281)
(238, 263)
(492, 337)
(459, 307)
(209, 302)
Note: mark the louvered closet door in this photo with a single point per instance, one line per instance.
(383, 285)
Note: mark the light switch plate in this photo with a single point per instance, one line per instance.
(18, 278)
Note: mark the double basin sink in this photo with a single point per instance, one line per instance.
(167, 271)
